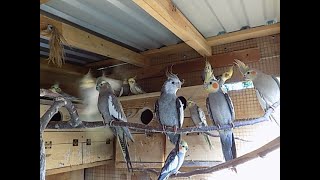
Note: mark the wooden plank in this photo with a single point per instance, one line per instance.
(103, 63)
(197, 64)
(244, 34)
(72, 175)
(241, 35)
(64, 137)
(84, 40)
(168, 15)
(65, 116)
(61, 155)
(77, 167)
(146, 151)
(97, 151)
(65, 69)
(43, 1)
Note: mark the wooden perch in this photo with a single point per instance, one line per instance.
(260, 152)
(59, 101)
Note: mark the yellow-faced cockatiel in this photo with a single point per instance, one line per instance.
(267, 86)
(111, 110)
(134, 87)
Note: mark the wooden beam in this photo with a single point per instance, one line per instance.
(84, 40)
(43, 1)
(221, 39)
(197, 64)
(73, 168)
(168, 15)
(244, 34)
(103, 63)
(65, 69)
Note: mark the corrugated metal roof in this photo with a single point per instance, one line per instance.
(126, 24)
(122, 20)
(211, 17)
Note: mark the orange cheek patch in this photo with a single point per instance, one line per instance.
(215, 85)
(253, 73)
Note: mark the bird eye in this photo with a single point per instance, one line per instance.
(172, 82)
(248, 72)
(210, 82)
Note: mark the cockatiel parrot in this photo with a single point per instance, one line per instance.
(207, 72)
(56, 89)
(125, 88)
(174, 161)
(267, 86)
(221, 111)
(111, 110)
(224, 77)
(134, 87)
(89, 95)
(169, 108)
(199, 118)
(114, 83)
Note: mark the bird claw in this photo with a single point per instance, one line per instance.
(175, 129)
(218, 125)
(110, 123)
(177, 173)
(232, 124)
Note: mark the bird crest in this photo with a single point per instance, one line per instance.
(170, 75)
(242, 67)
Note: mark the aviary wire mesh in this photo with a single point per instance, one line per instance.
(245, 101)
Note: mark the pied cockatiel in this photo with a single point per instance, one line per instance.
(169, 108)
(221, 111)
(125, 88)
(56, 89)
(174, 161)
(267, 86)
(111, 110)
(134, 86)
(198, 118)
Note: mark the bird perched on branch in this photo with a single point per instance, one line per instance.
(134, 86)
(267, 86)
(169, 108)
(221, 111)
(111, 110)
(174, 161)
(198, 118)
(56, 89)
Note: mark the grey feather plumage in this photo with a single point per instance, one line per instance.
(111, 109)
(221, 111)
(125, 89)
(199, 119)
(169, 108)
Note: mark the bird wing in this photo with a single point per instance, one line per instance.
(231, 107)
(208, 108)
(139, 89)
(116, 111)
(276, 80)
(171, 163)
(202, 116)
(262, 101)
(156, 110)
(121, 92)
(180, 111)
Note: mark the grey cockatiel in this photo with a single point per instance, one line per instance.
(134, 87)
(169, 108)
(221, 111)
(198, 118)
(56, 89)
(125, 88)
(114, 83)
(267, 86)
(174, 161)
(111, 110)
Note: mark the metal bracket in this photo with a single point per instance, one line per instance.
(75, 142)
(108, 141)
(48, 144)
